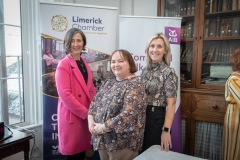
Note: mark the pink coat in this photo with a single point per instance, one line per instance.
(73, 103)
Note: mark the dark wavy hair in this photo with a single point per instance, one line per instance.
(128, 57)
(235, 60)
(68, 38)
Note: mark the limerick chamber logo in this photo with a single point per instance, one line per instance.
(59, 23)
(173, 34)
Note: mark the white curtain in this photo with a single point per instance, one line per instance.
(208, 140)
(183, 135)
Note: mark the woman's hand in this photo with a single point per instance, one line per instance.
(91, 124)
(100, 128)
(166, 143)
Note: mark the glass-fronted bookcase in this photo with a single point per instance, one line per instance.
(209, 36)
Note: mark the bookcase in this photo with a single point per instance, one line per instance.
(209, 35)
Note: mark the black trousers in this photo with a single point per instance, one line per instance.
(155, 117)
(78, 156)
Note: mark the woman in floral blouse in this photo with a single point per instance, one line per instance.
(116, 117)
(161, 84)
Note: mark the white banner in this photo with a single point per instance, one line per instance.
(135, 31)
(100, 26)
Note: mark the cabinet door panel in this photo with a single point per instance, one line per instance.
(210, 106)
(186, 103)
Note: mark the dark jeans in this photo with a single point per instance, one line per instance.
(155, 117)
(78, 156)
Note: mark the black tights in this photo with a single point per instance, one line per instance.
(78, 156)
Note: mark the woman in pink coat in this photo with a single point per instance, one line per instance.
(75, 90)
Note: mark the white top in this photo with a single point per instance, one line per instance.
(49, 58)
(155, 153)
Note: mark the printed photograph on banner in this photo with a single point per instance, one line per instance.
(53, 52)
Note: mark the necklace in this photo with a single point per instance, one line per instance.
(81, 64)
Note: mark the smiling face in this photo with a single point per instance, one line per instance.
(76, 46)
(156, 50)
(119, 66)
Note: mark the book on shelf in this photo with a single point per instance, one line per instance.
(214, 5)
(229, 53)
(185, 9)
(210, 6)
(181, 9)
(212, 28)
(174, 11)
(207, 6)
(218, 50)
(234, 4)
(182, 32)
(235, 26)
(206, 27)
(192, 31)
(218, 27)
(215, 56)
(188, 52)
(223, 27)
(170, 10)
(178, 8)
(224, 51)
(219, 5)
(166, 12)
(219, 54)
(224, 5)
(231, 48)
(210, 54)
(185, 31)
(204, 56)
(189, 30)
(183, 54)
(229, 5)
(229, 27)
(189, 7)
(190, 55)
(193, 8)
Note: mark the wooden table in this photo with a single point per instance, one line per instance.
(18, 142)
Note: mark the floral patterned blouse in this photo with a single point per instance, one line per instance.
(160, 82)
(121, 106)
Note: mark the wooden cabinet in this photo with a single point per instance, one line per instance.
(201, 106)
(210, 32)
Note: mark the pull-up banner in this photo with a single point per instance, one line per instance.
(134, 33)
(100, 27)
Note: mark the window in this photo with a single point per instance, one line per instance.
(11, 63)
(20, 64)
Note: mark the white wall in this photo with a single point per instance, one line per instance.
(126, 7)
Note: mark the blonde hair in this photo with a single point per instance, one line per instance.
(166, 56)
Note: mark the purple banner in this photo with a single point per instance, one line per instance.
(173, 34)
(176, 132)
